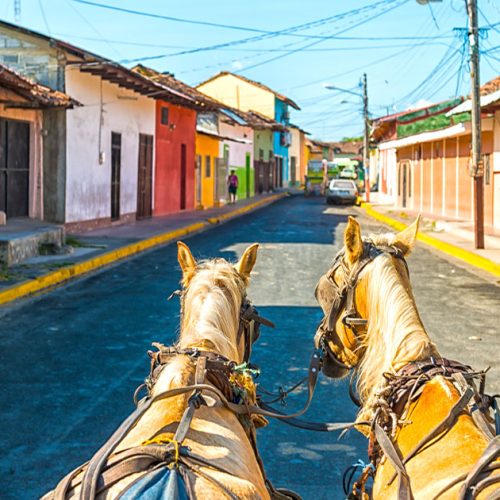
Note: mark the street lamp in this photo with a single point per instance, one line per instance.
(366, 132)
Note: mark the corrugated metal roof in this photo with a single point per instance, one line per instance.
(234, 116)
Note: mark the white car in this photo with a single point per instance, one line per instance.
(341, 191)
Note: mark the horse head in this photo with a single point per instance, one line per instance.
(214, 304)
(361, 295)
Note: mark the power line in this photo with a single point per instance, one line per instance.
(43, 16)
(268, 35)
(285, 32)
(92, 27)
(294, 51)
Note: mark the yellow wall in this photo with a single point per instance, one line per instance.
(239, 94)
(206, 146)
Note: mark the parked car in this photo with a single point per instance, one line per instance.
(341, 191)
(348, 173)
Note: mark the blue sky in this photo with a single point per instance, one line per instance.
(411, 53)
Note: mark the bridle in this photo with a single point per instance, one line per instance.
(344, 297)
(249, 322)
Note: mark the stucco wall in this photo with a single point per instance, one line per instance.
(240, 94)
(280, 150)
(88, 185)
(207, 146)
(263, 139)
(181, 129)
(237, 154)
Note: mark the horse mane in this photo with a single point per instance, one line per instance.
(211, 308)
(210, 318)
(395, 334)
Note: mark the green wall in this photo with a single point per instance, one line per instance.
(262, 139)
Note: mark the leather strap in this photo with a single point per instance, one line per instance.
(394, 456)
(491, 453)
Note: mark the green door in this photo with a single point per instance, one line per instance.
(247, 169)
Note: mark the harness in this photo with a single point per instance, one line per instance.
(343, 296)
(404, 387)
(216, 376)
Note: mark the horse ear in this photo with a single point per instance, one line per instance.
(405, 240)
(247, 261)
(352, 240)
(186, 261)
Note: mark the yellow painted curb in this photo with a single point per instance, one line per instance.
(61, 275)
(460, 253)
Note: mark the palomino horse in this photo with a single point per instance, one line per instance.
(189, 438)
(428, 424)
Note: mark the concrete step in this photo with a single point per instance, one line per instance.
(23, 238)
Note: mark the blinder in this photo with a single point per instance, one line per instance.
(343, 297)
(250, 322)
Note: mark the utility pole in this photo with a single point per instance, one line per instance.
(476, 169)
(366, 140)
(17, 11)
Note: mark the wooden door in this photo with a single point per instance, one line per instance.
(14, 167)
(183, 177)
(293, 170)
(145, 177)
(403, 183)
(116, 165)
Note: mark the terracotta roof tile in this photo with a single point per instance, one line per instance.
(38, 95)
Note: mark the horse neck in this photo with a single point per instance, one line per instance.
(396, 335)
(211, 321)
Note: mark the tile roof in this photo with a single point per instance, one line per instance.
(281, 97)
(491, 86)
(200, 100)
(37, 95)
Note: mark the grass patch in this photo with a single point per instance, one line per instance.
(74, 242)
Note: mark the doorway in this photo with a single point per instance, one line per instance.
(116, 164)
(183, 177)
(293, 170)
(404, 183)
(145, 177)
(14, 167)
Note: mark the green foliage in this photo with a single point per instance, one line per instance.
(352, 139)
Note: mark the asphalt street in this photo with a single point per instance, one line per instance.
(71, 358)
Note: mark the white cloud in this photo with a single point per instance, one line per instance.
(422, 103)
(237, 64)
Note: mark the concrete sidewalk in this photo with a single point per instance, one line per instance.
(99, 247)
(455, 238)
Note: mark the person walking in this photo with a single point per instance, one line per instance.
(232, 186)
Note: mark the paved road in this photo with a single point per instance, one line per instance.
(71, 359)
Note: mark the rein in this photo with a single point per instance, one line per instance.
(404, 387)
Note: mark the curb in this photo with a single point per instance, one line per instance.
(470, 258)
(49, 280)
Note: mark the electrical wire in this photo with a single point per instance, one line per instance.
(294, 51)
(261, 37)
(44, 16)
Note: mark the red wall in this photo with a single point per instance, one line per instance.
(181, 129)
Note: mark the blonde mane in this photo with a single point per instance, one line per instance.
(211, 309)
(395, 333)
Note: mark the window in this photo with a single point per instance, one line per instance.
(261, 154)
(208, 166)
(164, 116)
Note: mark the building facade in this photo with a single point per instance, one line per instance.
(247, 95)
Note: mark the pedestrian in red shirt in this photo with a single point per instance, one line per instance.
(232, 186)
